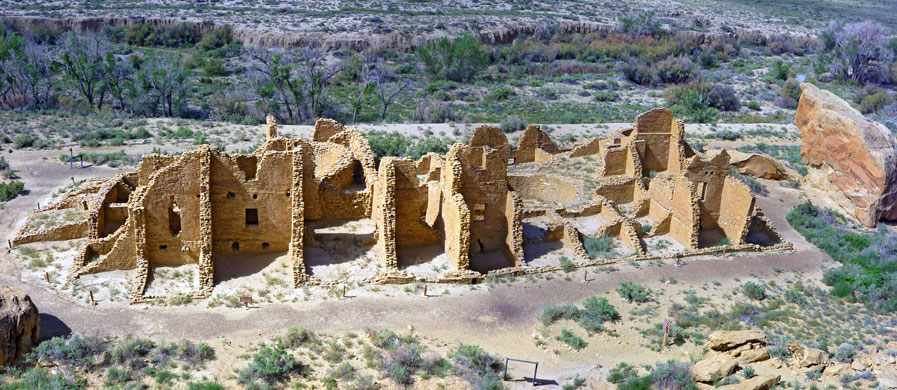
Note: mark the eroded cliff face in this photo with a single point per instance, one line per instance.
(19, 324)
(848, 153)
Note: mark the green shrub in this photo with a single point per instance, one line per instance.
(748, 372)
(73, 351)
(512, 123)
(754, 291)
(478, 367)
(598, 246)
(779, 70)
(457, 60)
(790, 94)
(872, 103)
(555, 312)
(675, 70)
(606, 96)
(269, 365)
(501, 93)
(634, 293)
(427, 145)
(9, 190)
(569, 338)
(205, 385)
(41, 378)
(23, 141)
(596, 311)
(567, 265)
(795, 297)
(387, 144)
(640, 74)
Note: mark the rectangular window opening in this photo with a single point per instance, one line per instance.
(252, 218)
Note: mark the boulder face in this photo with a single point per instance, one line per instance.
(848, 153)
(19, 324)
(730, 339)
(757, 165)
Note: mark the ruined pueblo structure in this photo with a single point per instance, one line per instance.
(480, 204)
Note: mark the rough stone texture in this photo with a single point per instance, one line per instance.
(848, 153)
(713, 368)
(757, 165)
(836, 369)
(753, 355)
(19, 324)
(803, 356)
(205, 204)
(761, 382)
(729, 339)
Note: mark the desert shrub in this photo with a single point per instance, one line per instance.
(856, 51)
(596, 311)
(640, 74)
(11, 189)
(571, 339)
(73, 351)
(708, 60)
(748, 372)
(428, 145)
(24, 141)
(41, 378)
(478, 367)
(720, 97)
(387, 144)
(754, 291)
(567, 265)
(675, 70)
(219, 42)
(753, 105)
(641, 25)
(268, 366)
(672, 376)
(204, 385)
(845, 353)
(512, 123)
(555, 312)
(874, 102)
(796, 297)
(869, 260)
(457, 60)
(634, 293)
(598, 246)
(605, 96)
(500, 93)
(790, 94)
(779, 70)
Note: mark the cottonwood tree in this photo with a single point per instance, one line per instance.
(82, 60)
(294, 81)
(32, 74)
(12, 49)
(388, 85)
(856, 51)
(161, 85)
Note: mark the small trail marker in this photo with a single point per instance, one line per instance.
(73, 180)
(666, 333)
(344, 291)
(585, 275)
(425, 292)
(93, 302)
(47, 276)
(245, 301)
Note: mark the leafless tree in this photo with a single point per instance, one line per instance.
(388, 84)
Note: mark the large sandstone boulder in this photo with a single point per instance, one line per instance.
(803, 356)
(762, 382)
(713, 368)
(848, 153)
(730, 339)
(757, 165)
(19, 324)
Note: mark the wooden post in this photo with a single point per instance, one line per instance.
(344, 291)
(38, 206)
(666, 333)
(585, 275)
(47, 276)
(73, 180)
(92, 301)
(425, 291)
(9, 243)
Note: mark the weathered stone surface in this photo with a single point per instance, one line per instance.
(757, 165)
(713, 368)
(19, 324)
(888, 379)
(848, 153)
(804, 356)
(762, 382)
(836, 369)
(753, 355)
(729, 339)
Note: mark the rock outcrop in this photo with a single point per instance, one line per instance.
(19, 324)
(731, 339)
(713, 368)
(848, 153)
(762, 382)
(757, 165)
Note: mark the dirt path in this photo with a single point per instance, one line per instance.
(500, 319)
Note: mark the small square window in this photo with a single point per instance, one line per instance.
(479, 212)
(252, 218)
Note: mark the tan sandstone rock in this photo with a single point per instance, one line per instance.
(762, 382)
(19, 324)
(753, 355)
(805, 356)
(848, 153)
(757, 165)
(729, 339)
(713, 368)
(836, 369)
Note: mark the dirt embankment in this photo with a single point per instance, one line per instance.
(498, 33)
